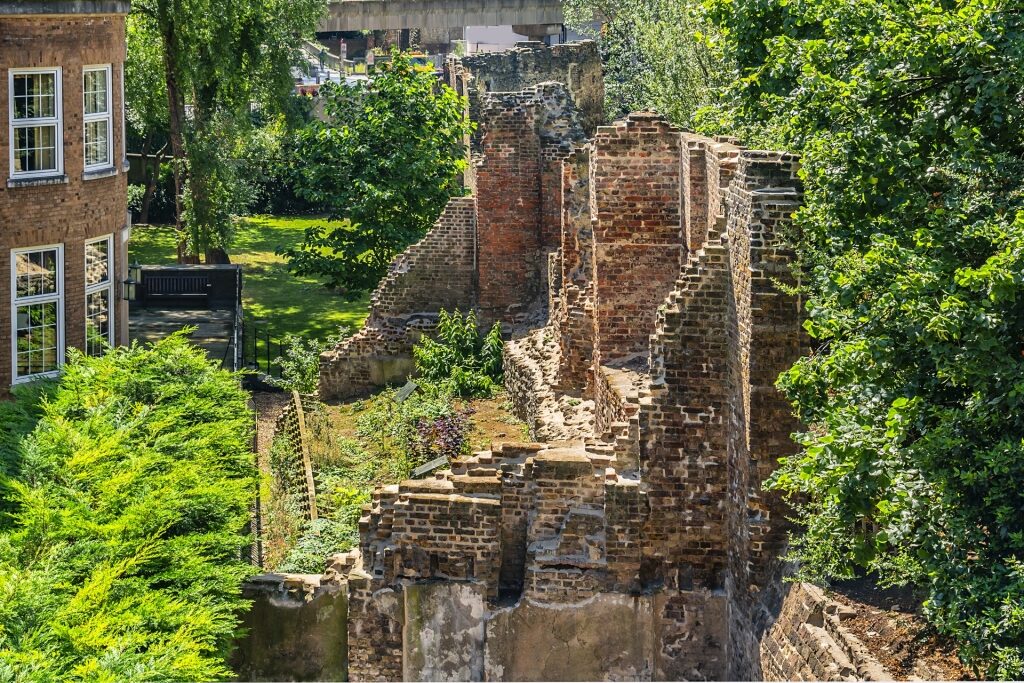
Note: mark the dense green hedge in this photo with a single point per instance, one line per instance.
(127, 484)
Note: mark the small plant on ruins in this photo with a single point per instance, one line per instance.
(460, 359)
(300, 360)
(426, 425)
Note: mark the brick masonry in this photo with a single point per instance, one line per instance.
(75, 209)
(437, 272)
(656, 310)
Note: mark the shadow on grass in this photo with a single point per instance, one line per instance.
(291, 304)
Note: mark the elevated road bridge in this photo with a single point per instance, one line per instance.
(376, 15)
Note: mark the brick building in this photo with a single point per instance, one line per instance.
(63, 182)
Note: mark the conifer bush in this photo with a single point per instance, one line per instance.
(127, 484)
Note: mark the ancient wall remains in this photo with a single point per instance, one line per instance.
(663, 496)
(808, 642)
(437, 272)
(524, 137)
(641, 277)
(295, 629)
(638, 244)
(576, 65)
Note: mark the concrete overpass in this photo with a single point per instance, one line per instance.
(375, 15)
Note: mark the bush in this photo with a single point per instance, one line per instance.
(300, 362)
(460, 360)
(911, 242)
(132, 492)
(135, 194)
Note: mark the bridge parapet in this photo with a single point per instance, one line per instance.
(374, 15)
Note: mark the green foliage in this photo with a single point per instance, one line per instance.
(145, 88)
(386, 160)
(408, 433)
(300, 364)
(132, 479)
(218, 58)
(393, 438)
(135, 194)
(910, 118)
(460, 359)
(656, 54)
(261, 162)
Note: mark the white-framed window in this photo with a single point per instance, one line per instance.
(35, 122)
(37, 311)
(99, 295)
(98, 129)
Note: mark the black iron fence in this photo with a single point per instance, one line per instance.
(262, 347)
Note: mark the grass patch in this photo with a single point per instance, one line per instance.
(295, 305)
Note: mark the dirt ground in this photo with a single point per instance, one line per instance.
(889, 623)
(491, 421)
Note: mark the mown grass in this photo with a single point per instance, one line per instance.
(290, 304)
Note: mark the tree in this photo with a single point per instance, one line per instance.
(219, 58)
(656, 54)
(146, 104)
(130, 480)
(909, 117)
(385, 161)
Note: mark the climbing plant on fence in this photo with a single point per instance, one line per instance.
(910, 119)
(128, 483)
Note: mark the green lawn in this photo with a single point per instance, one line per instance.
(297, 305)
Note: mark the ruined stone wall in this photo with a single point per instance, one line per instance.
(574, 320)
(639, 273)
(524, 137)
(809, 643)
(437, 272)
(634, 169)
(576, 65)
(295, 629)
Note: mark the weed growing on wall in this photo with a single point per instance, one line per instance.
(458, 358)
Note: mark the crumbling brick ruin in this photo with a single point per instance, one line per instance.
(640, 274)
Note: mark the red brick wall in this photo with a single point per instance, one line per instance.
(437, 272)
(72, 212)
(508, 207)
(638, 238)
(523, 138)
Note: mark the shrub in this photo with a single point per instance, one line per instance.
(135, 194)
(460, 360)
(300, 361)
(131, 485)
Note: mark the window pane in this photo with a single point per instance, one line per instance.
(97, 262)
(37, 338)
(35, 96)
(96, 143)
(95, 91)
(35, 149)
(97, 322)
(36, 273)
